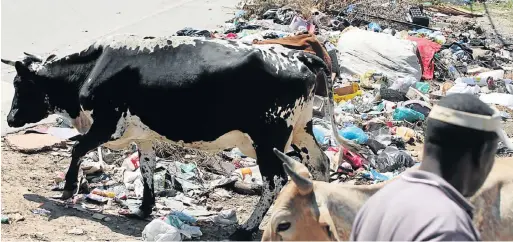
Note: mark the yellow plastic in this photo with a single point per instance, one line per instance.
(347, 97)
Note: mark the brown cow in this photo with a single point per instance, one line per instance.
(308, 43)
(310, 210)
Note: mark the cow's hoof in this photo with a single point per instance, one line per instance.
(66, 195)
(242, 235)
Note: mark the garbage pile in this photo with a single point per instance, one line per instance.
(394, 65)
(392, 70)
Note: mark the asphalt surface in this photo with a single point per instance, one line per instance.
(63, 26)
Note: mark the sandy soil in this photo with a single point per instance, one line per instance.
(26, 181)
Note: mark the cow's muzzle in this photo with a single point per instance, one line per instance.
(14, 122)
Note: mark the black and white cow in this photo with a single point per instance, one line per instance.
(206, 94)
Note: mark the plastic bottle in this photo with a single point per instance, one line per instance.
(454, 72)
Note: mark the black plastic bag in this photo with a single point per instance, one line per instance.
(392, 159)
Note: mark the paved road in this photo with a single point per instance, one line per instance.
(61, 26)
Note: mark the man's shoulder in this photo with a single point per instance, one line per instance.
(402, 197)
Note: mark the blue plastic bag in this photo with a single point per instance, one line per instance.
(375, 27)
(320, 135)
(184, 216)
(354, 133)
(410, 115)
(422, 87)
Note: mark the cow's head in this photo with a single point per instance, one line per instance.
(30, 101)
(299, 213)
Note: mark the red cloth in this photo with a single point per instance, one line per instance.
(427, 50)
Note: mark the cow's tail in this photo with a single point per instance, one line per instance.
(317, 65)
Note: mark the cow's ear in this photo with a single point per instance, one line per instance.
(21, 69)
(326, 219)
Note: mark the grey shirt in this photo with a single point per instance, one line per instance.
(417, 206)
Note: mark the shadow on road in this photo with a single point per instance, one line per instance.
(116, 223)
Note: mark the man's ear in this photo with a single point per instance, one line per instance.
(21, 69)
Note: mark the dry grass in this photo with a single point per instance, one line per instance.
(304, 7)
(382, 8)
(206, 160)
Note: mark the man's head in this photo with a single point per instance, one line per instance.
(461, 141)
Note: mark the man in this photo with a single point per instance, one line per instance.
(429, 203)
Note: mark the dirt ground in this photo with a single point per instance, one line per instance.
(26, 181)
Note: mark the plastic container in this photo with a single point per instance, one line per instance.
(354, 133)
(406, 114)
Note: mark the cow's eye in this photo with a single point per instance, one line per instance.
(283, 226)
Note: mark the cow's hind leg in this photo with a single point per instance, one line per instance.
(273, 175)
(148, 163)
(311, 153)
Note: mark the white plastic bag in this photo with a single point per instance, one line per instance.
(403, 84)
(158, 230)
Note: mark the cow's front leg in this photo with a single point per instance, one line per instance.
(87, 142)
(100, 132)
(274, 178)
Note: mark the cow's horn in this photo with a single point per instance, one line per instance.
(304, 185)
(296, 166)
(35, 57)
(8, 62)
